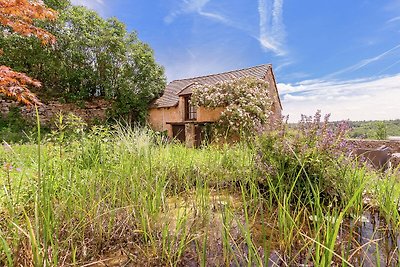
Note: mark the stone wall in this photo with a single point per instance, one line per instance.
(89, 112)
(394, 146)
(372, 144)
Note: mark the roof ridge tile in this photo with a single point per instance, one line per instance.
(222, 73)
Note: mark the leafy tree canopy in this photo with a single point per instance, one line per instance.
(93, 57)
(17, 16)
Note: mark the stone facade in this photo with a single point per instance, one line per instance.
(91, 111)
(169, 112)
(163, 119)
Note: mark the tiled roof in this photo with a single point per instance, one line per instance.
(175, 88)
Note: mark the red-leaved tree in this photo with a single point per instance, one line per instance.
(18, 16)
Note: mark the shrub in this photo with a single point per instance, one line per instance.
(14, 128)
(307, 161)
(67, 128)
(246, 103)
(381, 131)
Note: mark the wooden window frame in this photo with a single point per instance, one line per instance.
(190, 110)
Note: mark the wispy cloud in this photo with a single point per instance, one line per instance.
(364, 62)
(272, 30)
(215, 16)
(395, 19)
(271, 34)
(388, 67)
(97, 5)
(361, 99)
(194, 6)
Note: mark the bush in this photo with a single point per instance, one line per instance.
(308, 161)
(246, 104)
(381, 130)
(14, 128)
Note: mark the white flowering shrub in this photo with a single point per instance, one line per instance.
(246, 101)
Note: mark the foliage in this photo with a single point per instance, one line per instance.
(13, 119)
(246, 104)
(19, 16)
(122, 197)
(93, 57)
(14, 128)
(67, 129)
(15, 85)
(368, 129)
(381, 131)
(313, 157)
(57, 4)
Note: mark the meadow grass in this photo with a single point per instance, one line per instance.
(127, 197)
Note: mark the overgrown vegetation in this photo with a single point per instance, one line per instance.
(18, 17)
(246, 103)
(93, 57)
(312, 160)
(121, 196)
(16, 129)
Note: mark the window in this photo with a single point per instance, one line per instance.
(190, 110)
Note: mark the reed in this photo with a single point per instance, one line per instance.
(125, 193)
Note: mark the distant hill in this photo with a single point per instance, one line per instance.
(369, 129)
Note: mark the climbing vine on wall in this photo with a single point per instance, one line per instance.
(246, 103)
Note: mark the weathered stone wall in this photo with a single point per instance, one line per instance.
(158, 118)
(395, 160)
(276, 107)
(372, 144)
(95, 110)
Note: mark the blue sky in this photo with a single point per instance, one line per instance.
(341, 56)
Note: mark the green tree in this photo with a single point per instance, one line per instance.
(381, 130)
(57, 4)
(93, 57)
(17, 18)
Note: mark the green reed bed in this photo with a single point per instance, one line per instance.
(124, 196)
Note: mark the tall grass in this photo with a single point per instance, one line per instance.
(125, 194)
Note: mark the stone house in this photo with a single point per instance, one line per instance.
(172, 112)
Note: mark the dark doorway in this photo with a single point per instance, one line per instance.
(178, 133)
(198, 131)
(202, 134)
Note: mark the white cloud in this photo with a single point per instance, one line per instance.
(271, 34)
(365, 62)
(361, 99)
(194, 6)
(272, 30)
(97, 5)
(395, 19)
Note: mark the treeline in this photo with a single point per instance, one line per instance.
(367, 129)
(93, 57)
(375, 129)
